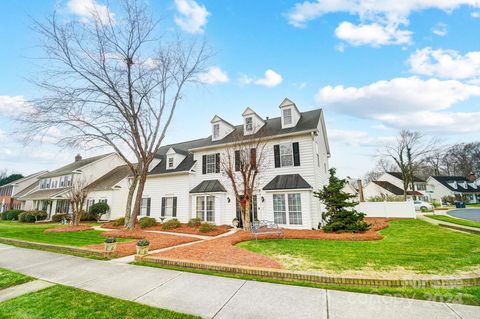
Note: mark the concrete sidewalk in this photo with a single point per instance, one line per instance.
(453, 226)
(217, 297)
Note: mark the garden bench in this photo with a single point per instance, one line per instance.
(263, 227)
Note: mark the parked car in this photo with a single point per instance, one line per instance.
(422, 206)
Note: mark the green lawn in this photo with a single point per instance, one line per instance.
(35, 233)
(9, 278)
(65, 302)
(453, 220)
(413, 245)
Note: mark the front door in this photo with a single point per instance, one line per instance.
(253, 211)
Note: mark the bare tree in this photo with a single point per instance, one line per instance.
(113, 81)
(243, 163)
(76, 195)
(408, 152)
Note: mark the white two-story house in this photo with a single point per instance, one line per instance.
(51, 194)
(187, 180)
(391, 184)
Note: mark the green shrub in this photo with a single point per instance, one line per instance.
(171, 224)
(110, 240)
(97, 210)
(206, 228)
(143, 243)
(436, 203)
(145, 222)
(58, 218)
(11, 214)
(119, 221)
(194, 222)
(32, 216)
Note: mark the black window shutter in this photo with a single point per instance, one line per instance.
(296, 154)
(237, 161)
(174, 207)
(148, 206)
(163, 206)
(253, 157)
(204, 164)
(276, 153)
(217, 163)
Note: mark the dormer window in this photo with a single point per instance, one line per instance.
(170, 162)
(287, 116)
(216, 131)
(249, 124)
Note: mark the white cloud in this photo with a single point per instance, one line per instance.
(357, 138)
(270, 79)
(475, 14)
(14, 105)
(193, 17)
(87, 9)
(300, 86)
(405, 102)
(445, 63)
(440, 29)
(377, 17)
(374, 34)
(213, 75)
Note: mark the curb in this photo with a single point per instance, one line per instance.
(287, 275)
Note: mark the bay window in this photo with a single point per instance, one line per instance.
(205, 208)
(287, 205)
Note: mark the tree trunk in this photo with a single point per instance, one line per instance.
(131, 191)
(138, 200)
(246, 216)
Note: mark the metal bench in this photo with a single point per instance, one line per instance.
(263, 227)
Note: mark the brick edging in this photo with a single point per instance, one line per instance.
(54, 248)
(315, 278)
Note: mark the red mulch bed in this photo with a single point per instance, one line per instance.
(68, 229)
(157, 241)
(223, 251)
(185, 229)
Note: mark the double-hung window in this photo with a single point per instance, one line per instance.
(205, 208)
(168, 206)
(210, 163)
(249, 124)
(170, 162)
(287, 209)
(286, 154)
(145, 207)
(216, 131)
(287, 116)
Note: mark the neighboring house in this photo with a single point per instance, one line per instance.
(10, 190)
(111, 188)
(418, 192)
(51, 194)
(186, 180)
(441, 186)
(351, 187)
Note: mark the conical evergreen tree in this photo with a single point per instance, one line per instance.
(340, 215)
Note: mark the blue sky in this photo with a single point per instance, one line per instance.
(375, 67)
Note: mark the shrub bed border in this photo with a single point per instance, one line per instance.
(287, 275)
(56, 248)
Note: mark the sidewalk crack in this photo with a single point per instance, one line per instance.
(244, 282)
(456, 313)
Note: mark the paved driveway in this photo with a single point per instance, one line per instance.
(466, 213)
(218, 297)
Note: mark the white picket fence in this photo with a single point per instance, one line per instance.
(387, 209)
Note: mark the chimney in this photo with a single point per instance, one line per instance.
(78, 158)
(472, 178)
(360, 190)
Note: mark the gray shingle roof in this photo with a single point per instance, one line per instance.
(44, 194)
(308, 121)
(27, 189)
(290, 181)
(445, 180)
(209, 186)
(69, 168)
(400, 177)
(109, 180)
(395, 190)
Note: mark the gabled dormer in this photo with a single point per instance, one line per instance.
(290, 114)
(174, 157)
(252, 122)
(220, 128)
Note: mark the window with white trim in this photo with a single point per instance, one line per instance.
(170, 162)
(287, 116)
(287, 205)
(249, 124)
(205, 208)
(286, 154)
(144, 207)
(216, 131)
(210, 163)
(168, 206)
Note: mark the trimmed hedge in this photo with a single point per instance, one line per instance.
(32, 216)
(194, 222)
(97, 210)
(206, 228)
(171, 224)
(58, 218)
(147, 222)
(119, 221)
(11, 214)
